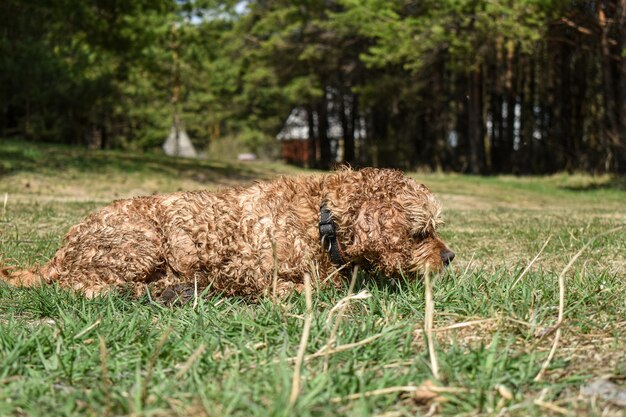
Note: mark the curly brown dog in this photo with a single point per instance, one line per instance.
(252, 240)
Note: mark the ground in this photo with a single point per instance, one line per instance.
(61, 354)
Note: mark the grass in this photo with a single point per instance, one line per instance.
(61, 354)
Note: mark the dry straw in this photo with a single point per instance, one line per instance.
(190, 361)
(560, 316)
(106, 380)
(304, 339)
(428, 324)
(339, 308)
(87, 330)
(151, 363)
(531, 263)
(425, 390)
(4, 206)
(275, 275)
(195, 293)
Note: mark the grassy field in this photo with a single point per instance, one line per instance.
(61, 354)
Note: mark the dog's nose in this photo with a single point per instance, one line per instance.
(447, 256)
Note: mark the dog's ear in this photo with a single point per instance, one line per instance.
(367, 225)
(363, 206)
(380, 235)
(378, 224)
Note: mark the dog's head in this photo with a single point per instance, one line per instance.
(388, 221)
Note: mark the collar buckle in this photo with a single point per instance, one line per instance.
(328, 234)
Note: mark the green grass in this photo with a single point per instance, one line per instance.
(61, 354)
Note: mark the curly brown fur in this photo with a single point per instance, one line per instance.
(228, 240)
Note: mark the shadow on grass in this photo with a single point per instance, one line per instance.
(21, 156)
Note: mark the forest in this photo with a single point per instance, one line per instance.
(479, 87)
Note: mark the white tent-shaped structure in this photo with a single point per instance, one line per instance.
(179, 144)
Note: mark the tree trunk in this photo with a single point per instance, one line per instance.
(527, 119)
(324, 141)
(356, 130)
(440, 114)
(380, 123)
(510, 101)
(347, 127)
(578, 92)
(620, 160)
(460, 162)
(476, 124)
(610, 106)
(312, 154)
(553, 134)
(497, 127)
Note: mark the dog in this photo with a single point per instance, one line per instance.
(254, 240)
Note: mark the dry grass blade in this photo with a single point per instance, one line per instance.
(339, 308)
(469, 264)
(335, 272)
(275, 276)
(326, 351)
(530, 264)
(419, 331)
(342, 348)
(382, 391)
(552, 407)
(428, 324)
(10, 379)
(463, 324)
(4, 206)
(87, 330)
(295, 383)
(345, 301)
(152, 362)
(559, 321)
(106, 381)
(341, 305)
(427, 389)
(190, 361)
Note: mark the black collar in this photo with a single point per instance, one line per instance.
(328, 235)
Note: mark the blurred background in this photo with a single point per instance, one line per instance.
(480, 87)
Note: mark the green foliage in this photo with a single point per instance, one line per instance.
(464, 85)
